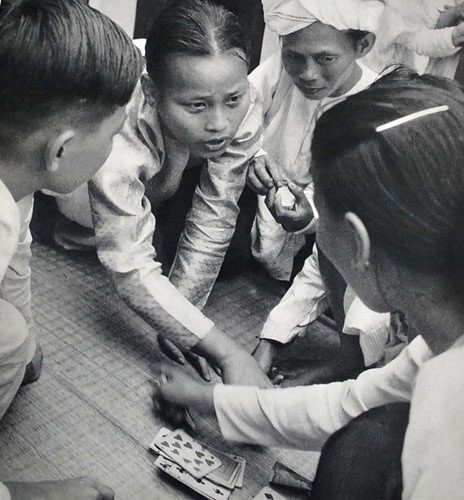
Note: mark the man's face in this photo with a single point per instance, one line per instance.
(321, 60)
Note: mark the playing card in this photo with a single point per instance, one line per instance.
(241, 471)
(286, 197)
(160, 435)
(227, 474)
(188, 453)
(268, 493)
(200, 485)
(281, 474)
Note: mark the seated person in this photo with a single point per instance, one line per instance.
(194, 102)
(59, 111)
(318, 66)
(424, 35)
(389, 191)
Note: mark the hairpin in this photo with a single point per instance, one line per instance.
(411, 117)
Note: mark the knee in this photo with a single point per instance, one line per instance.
(363, 459)
(14, 331)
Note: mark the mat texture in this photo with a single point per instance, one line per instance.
(91, 413)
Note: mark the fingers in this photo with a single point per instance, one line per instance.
(189, 422)
(271, 199)
(297, 192)
(105, 492)
(264, 174)
(255, 183)
(201, 366)
(273, 171)
(171, 350)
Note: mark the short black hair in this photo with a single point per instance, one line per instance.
(193, 27)
(406, 182)
(58, 53)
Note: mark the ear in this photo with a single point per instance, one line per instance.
(149, 89)
(361, 240)
(365, 44)
(56, 149)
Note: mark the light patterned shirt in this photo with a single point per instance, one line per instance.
(124, 222)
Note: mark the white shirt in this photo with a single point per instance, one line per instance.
(433, 452)
(288, 124)
(304, 417)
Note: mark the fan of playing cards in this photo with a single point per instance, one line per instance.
(213, 475)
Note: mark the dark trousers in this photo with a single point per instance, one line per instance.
(362, 461)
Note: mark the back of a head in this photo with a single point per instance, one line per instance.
(405, 180)
(59, 53)
(196, 28)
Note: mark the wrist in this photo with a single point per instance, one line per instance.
(201, 398)
(270, 345)
(217, 347)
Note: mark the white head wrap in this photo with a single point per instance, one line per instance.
(288, 16)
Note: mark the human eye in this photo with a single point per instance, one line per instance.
(326, 59)
(234, 100)
(195, 107)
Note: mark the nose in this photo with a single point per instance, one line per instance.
(216, 120)
(310, 72)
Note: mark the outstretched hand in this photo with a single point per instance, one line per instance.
(173, 352)
(176, 391)
(295, 218)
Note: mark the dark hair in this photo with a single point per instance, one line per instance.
(407, 182)
(193, 27)
(56, 53)
(357, 35)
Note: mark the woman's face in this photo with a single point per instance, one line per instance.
(203, 99)
(341, 243)
(321, 60)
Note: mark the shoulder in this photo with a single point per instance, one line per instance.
(267, 75)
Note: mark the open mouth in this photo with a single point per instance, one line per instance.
(216, 144)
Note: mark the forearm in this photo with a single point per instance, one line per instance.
(163, 307)
(217, 347)
(304, 417)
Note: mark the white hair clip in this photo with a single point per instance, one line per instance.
(411, 117)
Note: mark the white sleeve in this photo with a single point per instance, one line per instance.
(265, 79)
(434, 43)
(4, 493)
(304, 301)
(304, 417)
(433, 452)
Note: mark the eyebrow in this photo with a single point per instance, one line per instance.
(194, 97)
(316, 54)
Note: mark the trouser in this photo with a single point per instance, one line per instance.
(335, 287)
(362, 461)
(17, 348)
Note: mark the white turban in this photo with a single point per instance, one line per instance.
(288, 16)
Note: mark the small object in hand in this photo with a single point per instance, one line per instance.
(286, 197)
(283, 475)
(267, 493)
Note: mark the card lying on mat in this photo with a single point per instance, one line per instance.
(201, 485)
(188, 453)
(228, 473)
(268, 493)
